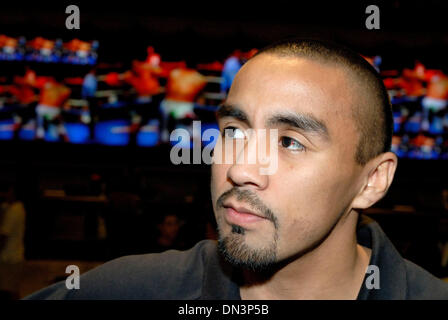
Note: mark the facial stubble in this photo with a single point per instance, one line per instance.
(234, 247)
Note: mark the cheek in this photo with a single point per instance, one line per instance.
(297, 232)
(297, 187)
(316, 180)
(218, 180)
(308, 195)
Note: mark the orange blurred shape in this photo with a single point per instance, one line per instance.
(438, 88)
(47, 44)
(390, 83)
(42, 80)
(24, 94)
(413, 87)
(143, 80)
(11, 42)
(3, 39)
(429, 142)
(30, 77)
(37, 43)
(73, 45)
(167, 67)
(76, 44)
(8, 41)
(184, 85)
(112, 79)
(54, 94)
(396, 140)
(419, 140)
(429, 74)
(84, 46)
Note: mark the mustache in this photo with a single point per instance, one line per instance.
(251, 198)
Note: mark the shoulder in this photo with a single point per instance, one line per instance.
(422, 285)
(174, 261)
(168, 275)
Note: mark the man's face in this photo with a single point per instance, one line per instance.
(264, 219)
(170, 226)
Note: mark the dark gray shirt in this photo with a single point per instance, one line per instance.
(201, 273)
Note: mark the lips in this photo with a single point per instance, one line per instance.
(240, 215)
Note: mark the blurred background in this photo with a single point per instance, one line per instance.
(85, 119)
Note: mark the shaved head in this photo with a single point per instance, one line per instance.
(371, 109)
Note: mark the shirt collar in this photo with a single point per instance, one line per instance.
(391, 266)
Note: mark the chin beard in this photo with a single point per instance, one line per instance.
(234, 249)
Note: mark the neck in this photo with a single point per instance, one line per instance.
(333, 270)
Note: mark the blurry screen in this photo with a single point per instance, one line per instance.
(84, 100)
(89, 117)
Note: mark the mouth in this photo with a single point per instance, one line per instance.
(240, 215)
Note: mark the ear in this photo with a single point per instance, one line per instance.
(380, 173)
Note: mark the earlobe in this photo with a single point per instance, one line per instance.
(381, 171)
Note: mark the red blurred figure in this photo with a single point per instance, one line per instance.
(184, 85)
(182, 90)
(23, 88)
(112, 79)
(438, 87)
(8, 44)
(52, 98)
(167, 67)
(143, 78)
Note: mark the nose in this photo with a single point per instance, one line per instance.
(243, 172)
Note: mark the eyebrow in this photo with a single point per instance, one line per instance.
(304, 122)
(226, 110)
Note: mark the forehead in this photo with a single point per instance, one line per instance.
(270, 83)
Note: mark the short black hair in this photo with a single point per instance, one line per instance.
(372, 113)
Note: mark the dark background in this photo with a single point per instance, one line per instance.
(412, 213)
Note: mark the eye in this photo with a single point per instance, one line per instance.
(233, 133)
(291, 144)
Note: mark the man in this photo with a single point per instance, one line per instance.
(295, 233)
(52, 98)
(182, 89)
(169, 233)
(144, 79)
